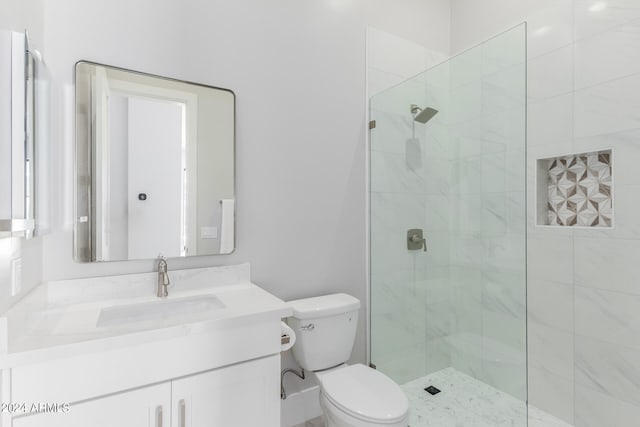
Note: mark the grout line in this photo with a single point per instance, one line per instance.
(614, 291)
(604, 82)
(600, 32)
(573, 236)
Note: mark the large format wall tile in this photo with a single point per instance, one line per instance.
(504, 293)
(503, 130)
(594, 16)
(550, 304)
(506, 253)
(550, 258)
(465, 174)
(609, 107)
(466, 219)
(597, 62)
(397, 211)
(494, 172)
(550, 74)
(551, 349)
(609, 316)
(607, 264)
(466, 102)
(608, 368)
(391, 174)
(504, 89)
(550, 121)
(394, 129)
(551, 393)
(595, 409)
(502, 53)
(549, 28)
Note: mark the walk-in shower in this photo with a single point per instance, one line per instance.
(448, 237)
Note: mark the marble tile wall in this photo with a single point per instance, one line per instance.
(408, 289)
(487, 230)
(462, 302)
(583, 298)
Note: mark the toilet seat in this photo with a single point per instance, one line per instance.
(365, 394)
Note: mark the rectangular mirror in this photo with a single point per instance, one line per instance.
(155, 166)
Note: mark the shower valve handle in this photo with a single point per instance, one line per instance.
(416, 240)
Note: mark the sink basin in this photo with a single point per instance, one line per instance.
(165, 310)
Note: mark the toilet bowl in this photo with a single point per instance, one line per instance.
(350, 395)
(358, 396)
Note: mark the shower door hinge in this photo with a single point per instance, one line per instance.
(372, 124)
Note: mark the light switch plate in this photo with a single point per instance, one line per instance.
(209, 232)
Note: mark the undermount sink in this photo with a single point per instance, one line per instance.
(159, 310)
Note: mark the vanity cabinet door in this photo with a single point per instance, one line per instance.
(242, 395)
(144, 407)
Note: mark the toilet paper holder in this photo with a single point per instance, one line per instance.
(287, 337)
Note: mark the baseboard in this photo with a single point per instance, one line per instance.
(300, 406)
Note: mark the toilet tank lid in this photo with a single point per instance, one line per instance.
(323, 306)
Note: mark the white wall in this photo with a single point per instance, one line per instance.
(298, 70)
(583, 302)
(18, 16)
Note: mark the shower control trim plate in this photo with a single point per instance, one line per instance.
(416, 240)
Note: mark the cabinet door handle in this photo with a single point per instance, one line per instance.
(183, 413)
(158, 416)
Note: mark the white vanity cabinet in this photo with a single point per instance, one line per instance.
(144, 407)
(241, 395)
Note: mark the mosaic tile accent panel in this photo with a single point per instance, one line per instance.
(580, 191)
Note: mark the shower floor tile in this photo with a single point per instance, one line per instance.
(467, 402)
(464, 402)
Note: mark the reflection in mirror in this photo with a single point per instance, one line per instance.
(155, 166)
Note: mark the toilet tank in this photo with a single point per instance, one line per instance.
(325, 330)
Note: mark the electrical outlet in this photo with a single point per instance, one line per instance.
(16, 276)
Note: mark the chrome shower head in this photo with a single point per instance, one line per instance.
(423, 115)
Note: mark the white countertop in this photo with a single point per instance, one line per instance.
(60, 319)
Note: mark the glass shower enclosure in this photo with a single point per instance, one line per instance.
(448, 237)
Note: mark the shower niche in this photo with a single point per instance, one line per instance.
(575, 190)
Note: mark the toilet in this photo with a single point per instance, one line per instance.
(350, 395)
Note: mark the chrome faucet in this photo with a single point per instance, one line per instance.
(163, 278)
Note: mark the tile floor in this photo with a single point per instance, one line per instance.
(467, 402)
(464, 402)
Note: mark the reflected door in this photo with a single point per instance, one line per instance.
(155, 185)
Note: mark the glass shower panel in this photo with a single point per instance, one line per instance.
(454, 316)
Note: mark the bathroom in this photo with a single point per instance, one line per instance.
(335, 181)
